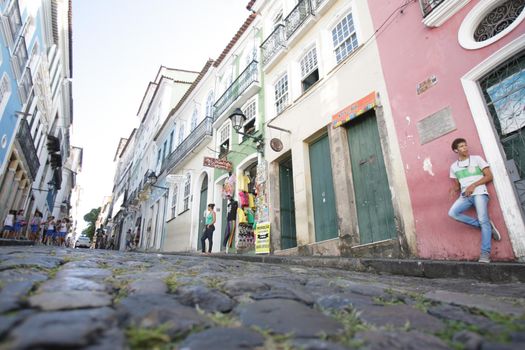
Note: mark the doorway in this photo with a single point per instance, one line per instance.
(287, 201)
(323, 196)
(375, 212)
(202, 208)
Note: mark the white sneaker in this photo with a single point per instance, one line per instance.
(484, 258)
(495, 233)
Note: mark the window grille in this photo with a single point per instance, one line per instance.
(281, 94)
(174, 201)
(344, 38)
(498, 19)
(187, 187)
(194, 118)
(250, 112)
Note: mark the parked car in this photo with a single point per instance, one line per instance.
(83, 242)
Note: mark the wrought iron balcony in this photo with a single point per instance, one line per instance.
(28, 147)
(194, 139)
(297, 17)
(25, 85)
(237, 88)
(20, 58)
(427, 6)
(273, 44)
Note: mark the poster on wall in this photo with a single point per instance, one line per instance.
(262, 238)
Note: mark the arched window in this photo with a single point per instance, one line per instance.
(209, 105)
(498, 19)
(194, 118)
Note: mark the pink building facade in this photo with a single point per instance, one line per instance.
(455, 68)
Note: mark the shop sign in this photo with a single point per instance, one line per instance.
(262, 238)
(354, 110)
(426, 84)
(217, 163)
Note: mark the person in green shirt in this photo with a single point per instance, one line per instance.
(210, 227)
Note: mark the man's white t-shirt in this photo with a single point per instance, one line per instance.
(469, 171)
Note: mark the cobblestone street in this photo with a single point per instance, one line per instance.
(55, 298)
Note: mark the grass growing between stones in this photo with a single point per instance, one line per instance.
(149, 338)
(172, 283)
(510, 324)
(421, 303)
(120, 288)
(385, 302)
(351, 325)
(220, 319)
(214, 283)
(275, 341)
(453, 327)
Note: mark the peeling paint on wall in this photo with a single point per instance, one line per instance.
(427, 166)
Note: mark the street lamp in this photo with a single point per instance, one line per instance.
(238, 118)
(152, 180)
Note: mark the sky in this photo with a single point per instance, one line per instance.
(118, 47)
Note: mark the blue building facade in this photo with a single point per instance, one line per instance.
(13, 58)
(35, 106)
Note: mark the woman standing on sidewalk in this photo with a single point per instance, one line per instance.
(210, 227)
(50, 230)
(19, 223)
(35, 226)
(9, 224)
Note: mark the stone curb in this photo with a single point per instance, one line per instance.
(10, 242)
(498, 272)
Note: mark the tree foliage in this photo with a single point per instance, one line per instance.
(91, 218)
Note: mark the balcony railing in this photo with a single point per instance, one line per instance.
(195, 138)
(25, 85)
(275, 42)
(427, 6)
(237, 88)
(28, 147)
(297, 17)
(316, 4)
(20, 58)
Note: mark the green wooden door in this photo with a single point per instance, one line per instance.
(202, 207)
(288, 237)
(375, 212)
(323, 190)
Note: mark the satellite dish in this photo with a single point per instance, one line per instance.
(276, 145)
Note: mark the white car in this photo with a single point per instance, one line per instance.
(82, 241)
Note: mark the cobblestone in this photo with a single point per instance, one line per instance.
(88, 299)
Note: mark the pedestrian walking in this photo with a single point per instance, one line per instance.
(35, 223)
(471, 173)
(9, 224)
(209, 228)
(19, 223)
(63, 227)
(128, 240)
(49, 233)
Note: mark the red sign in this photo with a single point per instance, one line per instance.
(217, 163)
(354, 110)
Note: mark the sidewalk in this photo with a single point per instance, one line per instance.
(496, 272)
(11, 242)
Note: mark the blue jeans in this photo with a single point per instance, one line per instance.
(480, 202)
